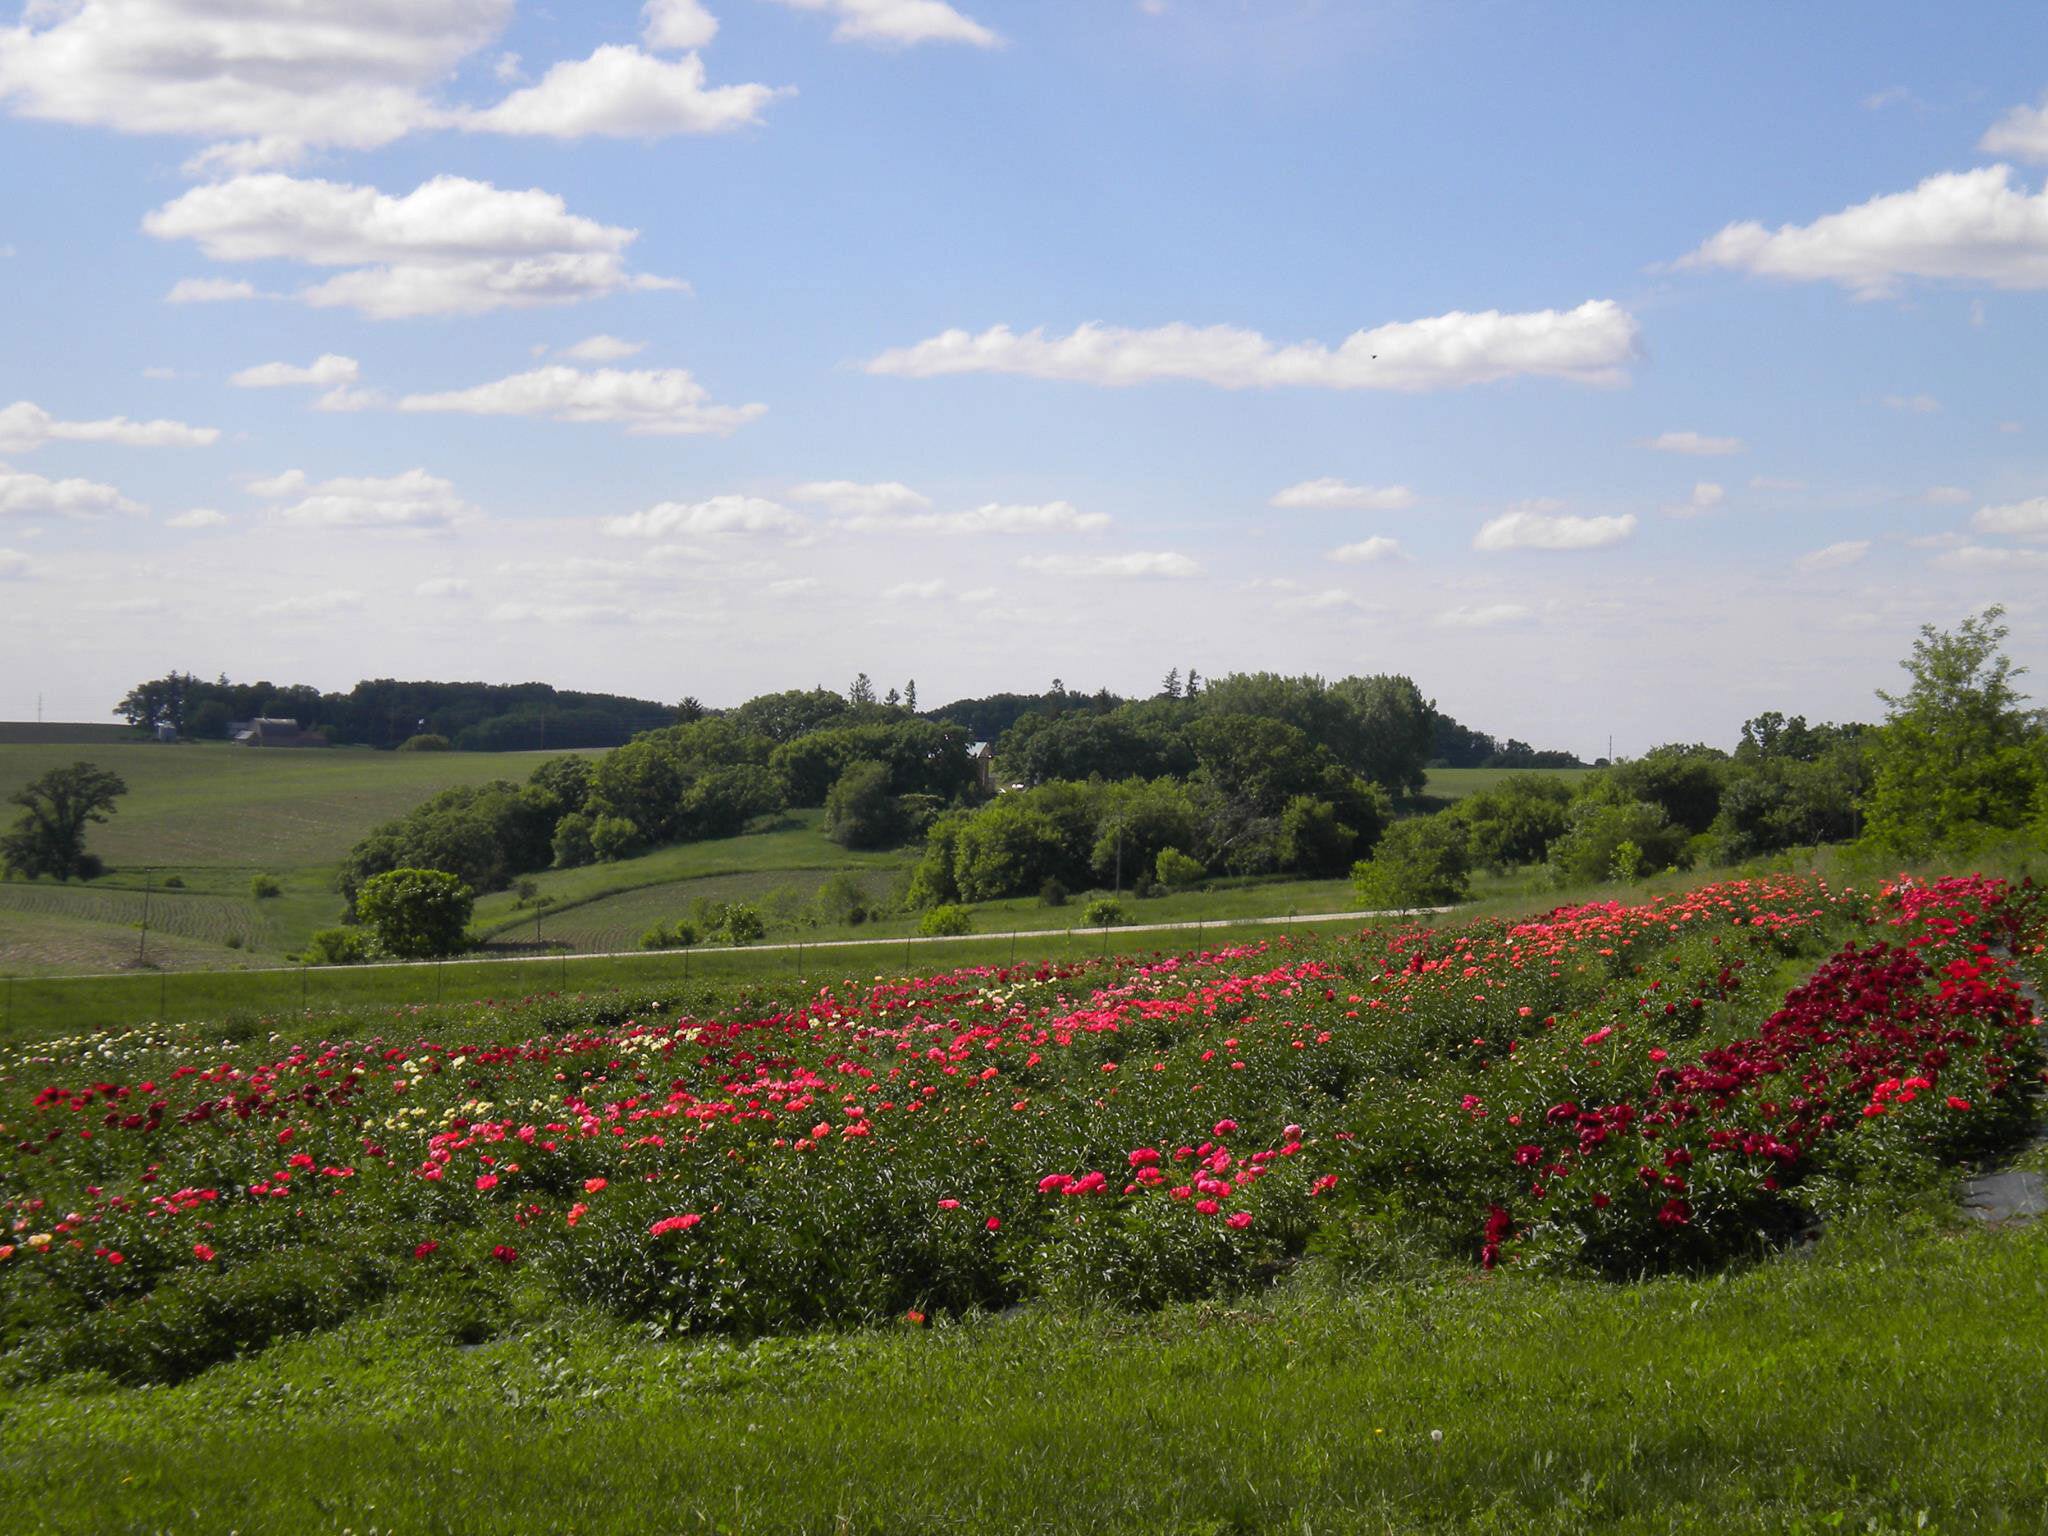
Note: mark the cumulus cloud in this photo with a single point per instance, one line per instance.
(850, 498)
(665, 402)
(1138, 563)
(14, 565)
(198, 517)
(1535, 526)
(677, 24)
(602, 349)
(26, 495)
(211, 290)
(414, 501)
(327, 371)
(1482, 617)
(1049, 517)
(1965, 226)
(1705, 497)
(1946, 496)
(2028, 519)
(25, 426)
(721, 514)
(1695, 443)
(312, 605)
(900, 23)
(1592, 344)
(1979, 557)
(442, 587)
(2021, 133)
(621, 92)
(1918, 405)
(1329, 494)
(1834, 556)
(918, 591)
(1366, 551)
(450, 246)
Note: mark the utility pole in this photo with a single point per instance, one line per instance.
(142, 942)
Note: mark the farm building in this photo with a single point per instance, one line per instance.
(982, 755)
(265, 732)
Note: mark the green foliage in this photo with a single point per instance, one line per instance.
(1516, 821)
(338, 946)
(860, 810)
(946, 922)
(842, 901)
(573, 844)
(1313, 841)
(49, 838)
(416, 914)
(263, 887)
(1176, 871)
(1104, 912)
(676, 935)
(426, 741)
(1685, 782)
(1598, 827)
(1052, 893)
(1956, 761)
(732, 923)
(613, 838)
(1424, 861)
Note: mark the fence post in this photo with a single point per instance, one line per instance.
(163, 992)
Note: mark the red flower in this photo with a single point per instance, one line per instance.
(429, 1246)
(669, 1224)
(994, 1225)
(592, 1186)
(487, 1181)
(504, 1255)
(949, 1205)
(1956, 1103)
(1238, 1219)
(1225, 1127)
(202, 1253)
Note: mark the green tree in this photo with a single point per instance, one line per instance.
(1585, 854)
(572, 841)
(1956, 759)
(859, 810)
(49, 839)
(613, 838)
(1425, 861)
(416, 914)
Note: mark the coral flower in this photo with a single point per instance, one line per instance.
(995, 1224)
(592, 1186)
(202, 1253)
(1238, 1219)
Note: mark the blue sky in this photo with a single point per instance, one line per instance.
(1607, 368)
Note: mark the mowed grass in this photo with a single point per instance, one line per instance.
(1887, 1379)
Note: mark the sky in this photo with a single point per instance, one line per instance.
(1614, 371)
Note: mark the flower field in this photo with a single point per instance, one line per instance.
(1610, 1089)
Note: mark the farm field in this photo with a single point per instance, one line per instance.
(1151, 1244)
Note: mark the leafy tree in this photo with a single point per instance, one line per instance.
(613, 838)
(426, 741)
(1313, 841)
(1395, 727)
(573, 845)
(859, 810)
(1104, 912)
(860, 691)
(49, 839)
(1956, 759)
(336, 946)
(946, 922)
(910, 696)
(1686, 781)
(1516, 821)
(1176, 871)
(416, 914)
(1424, 861)
(1585, 854)
(842, 901)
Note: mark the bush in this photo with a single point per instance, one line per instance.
(174, 882)
(572, 843)
(842, 901)
(1176, 871)
(337, 946)
(613, 838)
(426, 741)
(946, 922)
(676, 935)
(730, 922)
(859, 810)
(1423, 862)
(417, 914)
(263, 887)
(1052, 893)
(1104, 912)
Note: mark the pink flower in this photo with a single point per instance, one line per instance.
(1225, 1127)
(1238, 1219)
(994, 1224)
(505, 1256)
(487, 1181)
(202, 1253)
(592, 1186)
(1207, 1207)
(429, 1246)
(949, 1205)
(669, 1224)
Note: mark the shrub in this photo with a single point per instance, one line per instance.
(174, 882)
(1104, 912)
(1422, 862)
(842, 901)
(946, 922)
(417, 914)
(572, 844)
(730, 922)
(1052, 893)
(1176, 871)
(337, 946)
(859, 810)
(613, 838)
(426, 741)
(263, 887)
(676, 935)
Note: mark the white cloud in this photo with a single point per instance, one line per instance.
(1153, 7)
(1695, 443)
(1366, 551)
(1051, 517)
(664, 402)
(791, 586)
(313, 605)
(620, 92)
(1591, 344)
(1329, 494)
(850, 498)
(161, 375)
(1978, 557)
(916, 591)
(198, 517)
(1946, 495)
(26, 495)
(414, 500)
(1161, 563)
(1966, 226)
(602, 349)
(899, 23)
(581, 615)
(1918, 405)
(325, 372)
(721, 514)
(1705, 497)
(2028, 519)
(25, 426)
(2022, 133)
(505, 69)
(346, 399)
(677, 24)
(1535, 526)
(1890, 96)
(210, 290)
(1324, 601)
(260, 82)
(1485, 617)
(450, 246)
(1834, 556)
(442, 586)
(14, 565)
